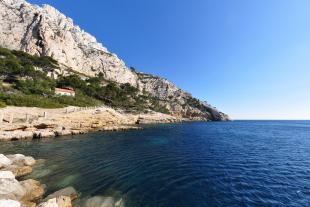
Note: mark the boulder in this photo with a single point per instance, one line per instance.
(9, 203)
(4, 161)
(28, 204)
(34, 190)
(61, 201)
(11, 189)
(29, 161)
(68, 192)
(19, 171)
(100, 201)
(16, 158)
(6, 175)
(21, 160)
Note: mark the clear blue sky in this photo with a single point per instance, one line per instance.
(250, 58)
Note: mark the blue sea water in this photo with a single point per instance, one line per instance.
(239, 163)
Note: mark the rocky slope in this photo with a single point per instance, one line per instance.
(44, 31)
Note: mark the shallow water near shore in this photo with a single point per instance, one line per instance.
(239, 163)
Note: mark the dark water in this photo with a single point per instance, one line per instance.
(240, 163)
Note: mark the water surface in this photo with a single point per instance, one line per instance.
(240, 163)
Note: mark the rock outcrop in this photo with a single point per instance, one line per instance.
(61, 201)
(44, 31)
(68, 192)
(20, 165)
(67, 121)
(177, 101)
(28, 193)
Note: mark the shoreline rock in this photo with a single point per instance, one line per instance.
(68, 192)
(27, 193)
(31, 193)
(74, 120)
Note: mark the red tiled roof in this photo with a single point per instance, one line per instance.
(64, 90)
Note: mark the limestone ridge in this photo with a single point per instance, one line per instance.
(44, 31)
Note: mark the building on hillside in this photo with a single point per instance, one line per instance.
(64, 91)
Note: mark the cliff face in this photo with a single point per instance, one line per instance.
(179, 102)
(44, 31)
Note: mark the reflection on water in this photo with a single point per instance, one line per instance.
(240, 163)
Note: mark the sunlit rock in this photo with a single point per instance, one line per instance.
(61, 201)
(34, 190)
(69, 192)
(11, 189)
(9, 203)
(4, 161)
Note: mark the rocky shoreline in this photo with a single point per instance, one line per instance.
(17, 192)
(20, 123)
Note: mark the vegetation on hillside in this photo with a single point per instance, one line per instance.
(195, 103)
(26, 83)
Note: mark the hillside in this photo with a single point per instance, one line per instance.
(45, 32)
(28, 80)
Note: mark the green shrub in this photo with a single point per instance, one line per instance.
(40, 87)
(5, 52)
(2, 104)
(31, 87)
(29, 101)
(79, 100)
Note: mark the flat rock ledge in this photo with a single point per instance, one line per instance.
(37, 123)
(48, 131)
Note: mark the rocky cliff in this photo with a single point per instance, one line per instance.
(44, 31)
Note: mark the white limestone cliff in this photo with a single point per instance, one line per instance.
(44, 31)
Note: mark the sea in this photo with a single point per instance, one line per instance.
(192, 164)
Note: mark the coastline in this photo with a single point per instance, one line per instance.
(21, 123)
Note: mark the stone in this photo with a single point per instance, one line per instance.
(15, 135)
(9, 203)
(34, 190)
(6, 175)
(100, 201)
(28, 204)
(4, 161)
(11, 189)
(19, 171)
(64, 201)
(69, 192)
(20, 159)
(62, 133)
(61, 201)
(43, 134)
(29, 161)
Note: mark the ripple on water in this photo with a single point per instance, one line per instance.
(240, 163)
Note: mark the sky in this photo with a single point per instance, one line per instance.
(249, 58)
